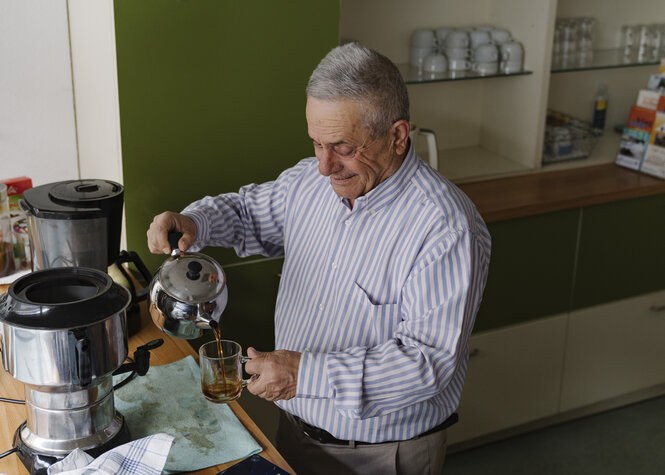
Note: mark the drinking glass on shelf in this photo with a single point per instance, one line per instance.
(644, 42)
(629, 40)
(656, 40)
(569, 37)
(587, 28)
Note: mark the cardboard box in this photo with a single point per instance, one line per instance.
(636, 136)
(654, 156)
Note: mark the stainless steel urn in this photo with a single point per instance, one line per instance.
(63, 333)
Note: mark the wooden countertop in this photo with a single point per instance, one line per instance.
(173, 349)
(542, 192)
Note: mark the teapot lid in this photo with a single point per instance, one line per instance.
(192, 278)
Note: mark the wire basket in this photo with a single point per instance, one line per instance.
(567, 138)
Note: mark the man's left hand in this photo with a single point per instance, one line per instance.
(276, 373)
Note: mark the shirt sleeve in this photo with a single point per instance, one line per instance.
(439, 301)
(251, 221)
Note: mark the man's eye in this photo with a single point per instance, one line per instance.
(316, 144)
(344, 150)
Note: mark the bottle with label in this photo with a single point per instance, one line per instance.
(599, 110)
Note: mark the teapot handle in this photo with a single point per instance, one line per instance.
(174, 237)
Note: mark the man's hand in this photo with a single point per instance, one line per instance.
(276, 373)
(162, 224)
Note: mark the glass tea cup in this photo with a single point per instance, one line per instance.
(221, 377)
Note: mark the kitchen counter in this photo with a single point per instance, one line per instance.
(542, 192)
(172, 350)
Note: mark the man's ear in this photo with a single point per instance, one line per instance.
(400, 134)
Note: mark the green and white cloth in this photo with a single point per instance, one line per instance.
(168, 399)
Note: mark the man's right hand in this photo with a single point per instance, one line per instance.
(166, 222)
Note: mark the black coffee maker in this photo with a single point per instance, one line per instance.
(77, 223)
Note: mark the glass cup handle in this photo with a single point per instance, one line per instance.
(245, 382)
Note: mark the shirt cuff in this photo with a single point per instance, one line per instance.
(313, 376)
(202, 229)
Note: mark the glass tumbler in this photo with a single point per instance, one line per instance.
(629, 40)
(587, 33)
(569, 37)
(221, 375)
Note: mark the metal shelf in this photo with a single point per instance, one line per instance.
(412, 75)
(599, 59)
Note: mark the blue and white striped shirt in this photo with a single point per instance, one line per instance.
(380, 299)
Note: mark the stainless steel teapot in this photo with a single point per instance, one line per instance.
(187, 292)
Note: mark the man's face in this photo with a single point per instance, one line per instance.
(347, 154)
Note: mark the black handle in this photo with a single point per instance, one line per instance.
(83, 359)
(142, 356)
(174, 237)
(133, 257)
(141, 362)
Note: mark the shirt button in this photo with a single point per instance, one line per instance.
(347, 222)
(334, 265)
(321, 306)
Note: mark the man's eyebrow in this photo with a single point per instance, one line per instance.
(331, 144)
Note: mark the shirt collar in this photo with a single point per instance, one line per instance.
(391, 187)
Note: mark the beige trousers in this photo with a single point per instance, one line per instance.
(421, 456)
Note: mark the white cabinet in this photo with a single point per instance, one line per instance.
(494, 127)
(485, 127)
(614, 349)
(553, 366)
(514, 377)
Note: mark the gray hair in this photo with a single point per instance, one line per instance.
(352, 71)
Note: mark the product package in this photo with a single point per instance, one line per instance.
(654, 156)
(21, 241)
(651, 100)
(636, 136)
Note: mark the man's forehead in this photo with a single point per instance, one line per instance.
(338, 118)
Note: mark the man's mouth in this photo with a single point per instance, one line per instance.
(340, 179)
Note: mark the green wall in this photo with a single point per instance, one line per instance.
(212, 98)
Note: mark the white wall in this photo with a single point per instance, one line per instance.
(59, 115)
(37, 131)
(92, 32)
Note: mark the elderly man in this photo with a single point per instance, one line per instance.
(385, 262)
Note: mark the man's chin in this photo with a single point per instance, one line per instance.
(344, 192)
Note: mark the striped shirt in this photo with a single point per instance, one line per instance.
(379, 298)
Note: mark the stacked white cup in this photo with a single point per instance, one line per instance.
(500, 36)
(484, 49)
(457, 50)
(486, 59)
(484, 54)
(423, 43)
(512, 57)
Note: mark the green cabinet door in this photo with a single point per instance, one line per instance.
(621, 251)
(531, 269)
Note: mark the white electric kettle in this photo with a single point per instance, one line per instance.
(430, 141)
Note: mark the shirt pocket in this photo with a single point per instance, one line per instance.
(379, 320)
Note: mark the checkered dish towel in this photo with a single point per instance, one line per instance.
(145, 456)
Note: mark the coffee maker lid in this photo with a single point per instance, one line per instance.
(74, 199)
(62, 298)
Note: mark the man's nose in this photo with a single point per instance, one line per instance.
(327, 164)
